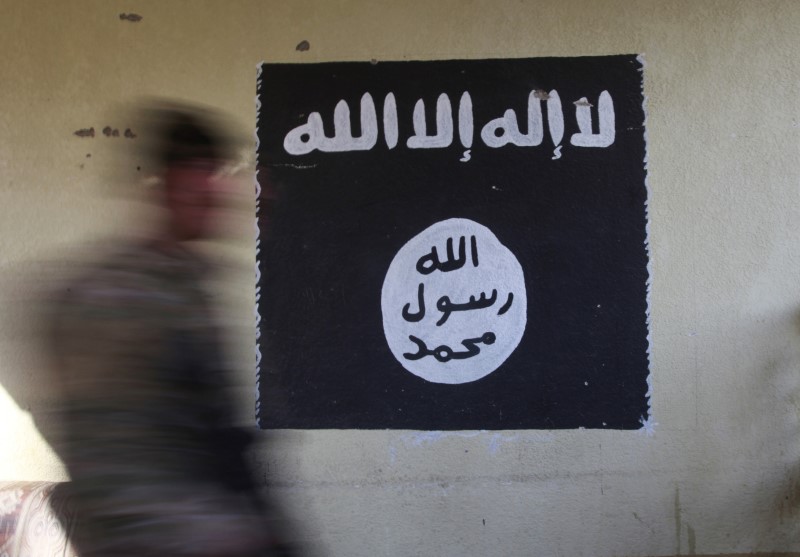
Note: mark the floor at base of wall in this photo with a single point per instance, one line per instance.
(741, 555)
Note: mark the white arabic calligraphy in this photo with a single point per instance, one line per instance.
(390, 121)
(583, 114)
(444, 125)
(505, 130)
(495, 134)
(342, 139)
(465, 124)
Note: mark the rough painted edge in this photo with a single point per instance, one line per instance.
(648, 423)
(257, 185)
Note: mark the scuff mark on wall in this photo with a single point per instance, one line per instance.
(134, 18)
(496, 440)
(428, 437)
(691, 540)
(677, 520)
(108, 131)
(643, 523)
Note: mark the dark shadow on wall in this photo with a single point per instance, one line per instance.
(764, 482)
(28, 375)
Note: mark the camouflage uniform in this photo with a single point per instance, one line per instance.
(156, 467)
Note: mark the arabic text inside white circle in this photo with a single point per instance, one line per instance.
(454, 303)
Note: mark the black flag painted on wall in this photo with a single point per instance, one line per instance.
(452, 245)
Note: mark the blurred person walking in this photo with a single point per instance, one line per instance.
(157, 466)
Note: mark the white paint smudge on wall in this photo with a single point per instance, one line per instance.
(493, 441)
(648, 425)
(497, 440)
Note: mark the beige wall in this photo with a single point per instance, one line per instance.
(720, 473)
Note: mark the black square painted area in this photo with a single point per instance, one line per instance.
(334, 217)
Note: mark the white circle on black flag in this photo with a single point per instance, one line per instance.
(454, 303)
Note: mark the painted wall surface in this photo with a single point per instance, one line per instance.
(541, 323)
(718, 471)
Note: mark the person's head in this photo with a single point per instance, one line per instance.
(188, 150)
(193, 193)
